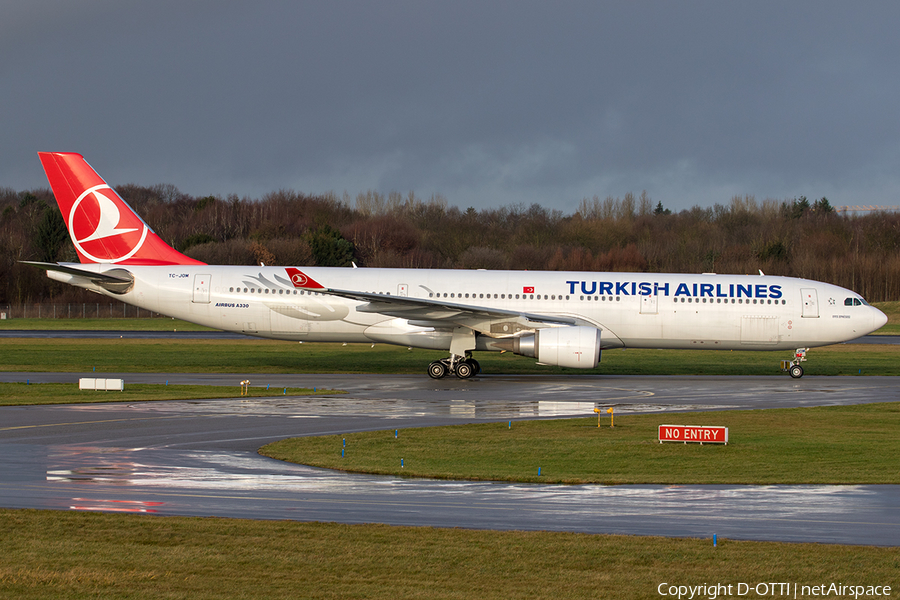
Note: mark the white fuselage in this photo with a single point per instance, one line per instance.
(636, 310)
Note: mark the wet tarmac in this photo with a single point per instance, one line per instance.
(199, 457)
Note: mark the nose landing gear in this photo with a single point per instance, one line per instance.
(793, 366)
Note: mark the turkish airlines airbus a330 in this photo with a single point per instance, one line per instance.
(559, 318)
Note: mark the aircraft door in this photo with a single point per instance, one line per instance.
(810, 303)
(201, 289)
(649, 304)
(402, 289)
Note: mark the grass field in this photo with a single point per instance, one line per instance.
(154, 324)
(824, 445)
(76, 555)
(20, 394)
(892, 310)
(268, 356)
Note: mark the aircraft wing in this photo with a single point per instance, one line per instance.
(425, 309)
(428, 312)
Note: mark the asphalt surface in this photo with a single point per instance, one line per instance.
(199, 457)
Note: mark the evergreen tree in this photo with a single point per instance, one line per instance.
(329, 248)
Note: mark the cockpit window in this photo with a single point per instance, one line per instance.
(853, 302)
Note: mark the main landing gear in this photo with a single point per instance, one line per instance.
(462, 367)
(793, 366)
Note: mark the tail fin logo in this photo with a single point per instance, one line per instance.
(103, 226)
(301, 280)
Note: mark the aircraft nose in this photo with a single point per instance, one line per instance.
(879, 319)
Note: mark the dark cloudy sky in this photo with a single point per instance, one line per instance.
(486, 103)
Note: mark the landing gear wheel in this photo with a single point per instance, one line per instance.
(437, 370)
(476, 368)
(464, 369)
(796, 371)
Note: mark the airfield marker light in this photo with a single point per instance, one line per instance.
(401, 463)
(715, 541)
(342, 453)
(395, 433)
(539, 471)
(510, 424)
(345, 442)
(285, 391)
(611, 415)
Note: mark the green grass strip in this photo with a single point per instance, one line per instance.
(268, 356)
(45, 554)
(94, 324)
(822, 445)
(20, 394)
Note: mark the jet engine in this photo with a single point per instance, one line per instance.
(575, 347)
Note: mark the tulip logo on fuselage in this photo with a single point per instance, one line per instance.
(100, 230)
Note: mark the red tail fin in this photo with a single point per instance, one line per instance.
(102, 226)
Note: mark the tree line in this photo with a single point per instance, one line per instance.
(795, 237)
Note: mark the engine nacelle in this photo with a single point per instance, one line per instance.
(575, 347)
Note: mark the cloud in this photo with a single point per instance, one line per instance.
(485, 103)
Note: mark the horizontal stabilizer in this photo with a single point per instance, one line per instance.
(118, 280)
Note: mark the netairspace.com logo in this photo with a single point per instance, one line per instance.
(772, 590)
